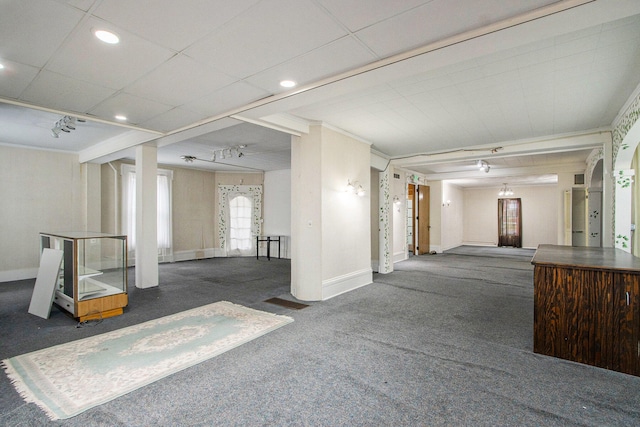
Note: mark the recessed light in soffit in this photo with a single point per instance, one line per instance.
(288, 83)
(106, 36)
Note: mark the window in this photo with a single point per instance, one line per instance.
(240, 209)
(509, 223)
(240, 218)
(163, 208)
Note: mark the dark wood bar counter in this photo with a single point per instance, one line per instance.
(587, 306)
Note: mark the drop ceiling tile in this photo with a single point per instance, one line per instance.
(357, 14)
(621, 30)
(575, 47)
(173, 119)
(255, 41)
(336, 57)
(44, 32)
(61, 92)
(171, 23)
(434, 21)
(178, 81)
(137, 110)
(226, 99)
(114, 66)
(15, 78)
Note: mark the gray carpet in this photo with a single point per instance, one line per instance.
(443, 340)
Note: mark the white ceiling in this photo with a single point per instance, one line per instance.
(411, 77)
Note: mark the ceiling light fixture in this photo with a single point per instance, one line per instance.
(66, 125)
(1, 66)
(120, 117)
(288, 83)
(221, 154)
(483, 166)
(505, 191)
(107, 36)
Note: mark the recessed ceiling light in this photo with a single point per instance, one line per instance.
(1, 66)
(287, 83)
(107, 36)
(121, 117)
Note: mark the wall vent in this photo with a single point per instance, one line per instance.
(578, 179)
(396, 175)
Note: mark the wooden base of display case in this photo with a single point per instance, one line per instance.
(102, 315)
(103, 307)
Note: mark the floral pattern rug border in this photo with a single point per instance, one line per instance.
(117, 362)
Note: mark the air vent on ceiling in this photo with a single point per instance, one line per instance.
(396, 175)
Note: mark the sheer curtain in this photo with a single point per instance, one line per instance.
(240, 212)
(509, 223)
(163, 209)
(130, 208)
(164, 213)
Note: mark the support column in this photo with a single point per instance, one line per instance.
(622, 237)
(146, 216)
(385, 254)
(608, 193)
(330, 226)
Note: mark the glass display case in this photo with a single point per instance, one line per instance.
(92, 282)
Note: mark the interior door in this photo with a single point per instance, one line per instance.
(423, 226)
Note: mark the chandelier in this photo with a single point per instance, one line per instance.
(505, 191)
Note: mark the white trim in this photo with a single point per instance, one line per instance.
(436, 248)
(21, 274)
(399, 256)
(346, 283)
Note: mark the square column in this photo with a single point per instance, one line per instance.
(146, 216)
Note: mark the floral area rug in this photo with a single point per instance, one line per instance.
(115, 363)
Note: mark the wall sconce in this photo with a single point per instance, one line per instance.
(483, 165)
(396, 203)
(447, 203)
(354, 187)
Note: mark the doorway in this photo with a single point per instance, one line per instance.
(418, 219)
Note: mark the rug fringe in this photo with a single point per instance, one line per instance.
(25, 393)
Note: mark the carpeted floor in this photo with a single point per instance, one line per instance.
(443, 340)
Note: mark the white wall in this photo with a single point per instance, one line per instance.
(277, 208)
(539, 215)
(330, 228)
(41, 191)
(346, 217)
(435, 215)
(452, 216)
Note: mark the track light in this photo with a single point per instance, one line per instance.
(221, 154)
(483, 166)
(66, 125)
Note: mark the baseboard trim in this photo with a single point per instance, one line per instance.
(345, 283)
(399, 256)
(22, 274)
